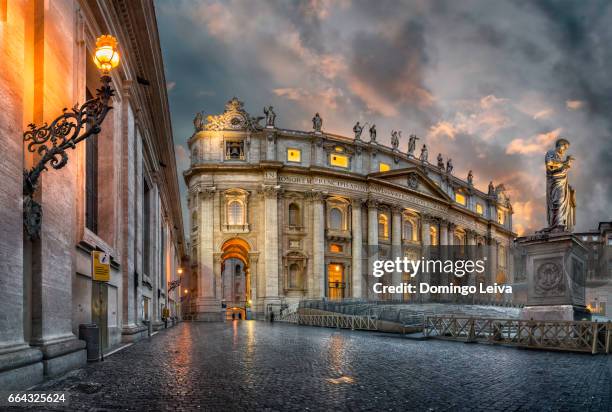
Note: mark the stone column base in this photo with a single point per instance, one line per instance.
(133, 333)
(20, 368)
(208, 310)
(62, 356)
(555, 313)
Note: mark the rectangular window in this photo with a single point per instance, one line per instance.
(383, 167)
(459, 198)
(500, 217)
(91, 180)
(294, 155)
(339, 160)
(146, 222)
(335, 248)
(609, 240)
(479, 209)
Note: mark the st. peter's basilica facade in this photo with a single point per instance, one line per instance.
(282, 215)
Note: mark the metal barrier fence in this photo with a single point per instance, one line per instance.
(579, 336)
(333, 321)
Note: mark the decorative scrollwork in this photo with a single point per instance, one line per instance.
(50, 142)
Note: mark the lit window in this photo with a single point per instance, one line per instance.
(459, 198)
(383, 226)
(335, 217)
(500, 217)
(383, 167)
(335, 248)
(339, 160)
(294, 155)
(433, 236)
(479, 209)
(235, 214)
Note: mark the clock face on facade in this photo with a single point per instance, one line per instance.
(236, 122)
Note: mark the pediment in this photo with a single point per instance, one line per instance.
(414, 179)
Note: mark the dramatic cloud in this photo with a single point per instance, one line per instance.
(490, 85)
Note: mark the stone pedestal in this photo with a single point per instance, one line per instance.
(209, 310)
(556, 268)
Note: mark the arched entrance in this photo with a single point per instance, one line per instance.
(235, 279)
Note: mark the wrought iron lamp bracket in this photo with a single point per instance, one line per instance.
(51, 141)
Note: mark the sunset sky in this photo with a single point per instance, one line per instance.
(489, 84)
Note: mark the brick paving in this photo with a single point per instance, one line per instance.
(247, 365)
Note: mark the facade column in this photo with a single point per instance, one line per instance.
(253, 258)
(318, 245)
(208, 303)
(357, 246)
(493, 245)
(425, 253)
(372, 240)
(271, 243)
(20, 365)
(471, 253)
(396, 244)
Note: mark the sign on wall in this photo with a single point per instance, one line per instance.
(100, 266)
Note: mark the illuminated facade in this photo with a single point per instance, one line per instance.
(118, 192)
(303, 213)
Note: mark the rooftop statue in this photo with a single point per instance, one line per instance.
(373, 133)
(449, 166)
(560, 196)
(395, 135)
(270, 116)
(491, 189)
(198, 122)
(440, 161)
(317, 123)
(412, 144)
(470, 178)
(424, 154)
(358, 129)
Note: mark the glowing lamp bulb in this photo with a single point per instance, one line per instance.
(106, 56)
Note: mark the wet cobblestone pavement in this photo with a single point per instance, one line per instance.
(261, 366)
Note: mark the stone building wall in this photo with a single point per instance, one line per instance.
(45, 284)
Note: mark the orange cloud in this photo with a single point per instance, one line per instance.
(533, 145)
(574, 104)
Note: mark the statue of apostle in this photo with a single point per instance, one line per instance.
(358, 129)
(412, 144)
(560, 197)
(317, 123)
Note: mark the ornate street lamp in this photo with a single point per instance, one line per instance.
(50, 141)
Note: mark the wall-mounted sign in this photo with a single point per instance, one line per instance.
(100, 266)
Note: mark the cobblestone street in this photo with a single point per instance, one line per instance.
(261, 366)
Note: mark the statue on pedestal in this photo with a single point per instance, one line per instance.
(357, 129)
(395, 139)
(560, 196)
(270, 116)
(424, 154)
(317, 123)
(470, 178)
(412, 144)
(449, 166)
(440, 161)
(373, 133)
(198, 122)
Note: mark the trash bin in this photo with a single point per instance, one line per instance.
(90, 333)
